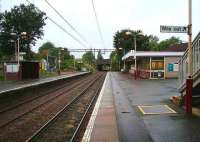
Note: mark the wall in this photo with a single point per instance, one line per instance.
(174, 72)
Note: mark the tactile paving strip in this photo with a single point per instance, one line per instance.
(156, 109)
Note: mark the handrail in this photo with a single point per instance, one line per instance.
(183, 65)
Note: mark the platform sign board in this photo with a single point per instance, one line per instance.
(12, 68)
(173, 29)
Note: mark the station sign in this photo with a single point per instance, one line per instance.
(173, 29)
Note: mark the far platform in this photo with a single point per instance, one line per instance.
(9, 86)
(131, 110)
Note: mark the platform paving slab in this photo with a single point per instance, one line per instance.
(103, 126)
(134, 126)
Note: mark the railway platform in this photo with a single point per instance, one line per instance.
(5, 87)
(130, 110)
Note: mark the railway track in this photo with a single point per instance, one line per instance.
(34, 96)
(13, 113)
(67, 124)
(22, 127)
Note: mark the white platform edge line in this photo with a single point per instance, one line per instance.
(88, 131)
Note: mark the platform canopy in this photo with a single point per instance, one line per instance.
(133, 54)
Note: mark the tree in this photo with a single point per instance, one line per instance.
(115, 61)
(122, 40)
(22, 19)
(45, 49)
(49, 50)
(99, 56)
(88, 58)
(153, 43)
(46, 46)
(168, 42)
(67, 60)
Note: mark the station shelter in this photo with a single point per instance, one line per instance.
(155, 64)
(22, 71)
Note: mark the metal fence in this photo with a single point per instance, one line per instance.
(183, 62)
(183, 69)
(196, 55)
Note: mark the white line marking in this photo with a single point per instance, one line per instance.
(88, 131)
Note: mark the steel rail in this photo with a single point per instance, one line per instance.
(51, 99)
(84, 118)
(49, 122)
(77, 82)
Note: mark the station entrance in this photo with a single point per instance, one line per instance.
(157, 69)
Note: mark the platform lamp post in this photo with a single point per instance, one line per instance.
(123, 55)
(15, 46)
(22, 34)
(74, 63)
(135, 48)
(59, 60)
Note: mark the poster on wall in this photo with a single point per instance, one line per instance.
(9, 68)
(176, 67)
(170, 67)
(12, 68)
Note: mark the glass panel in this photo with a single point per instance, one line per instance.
(157, 65)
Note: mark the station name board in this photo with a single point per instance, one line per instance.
(173, 29)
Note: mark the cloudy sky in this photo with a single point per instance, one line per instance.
(113, 15)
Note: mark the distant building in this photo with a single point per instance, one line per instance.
(155, 64)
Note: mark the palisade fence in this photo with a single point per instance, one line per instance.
(183, 62)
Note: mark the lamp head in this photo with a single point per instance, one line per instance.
(13, 34)
(23, 33)
(128, 33)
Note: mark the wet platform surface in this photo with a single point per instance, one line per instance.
(133, 125)
(7, 86)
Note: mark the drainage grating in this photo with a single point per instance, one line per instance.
(156, 109)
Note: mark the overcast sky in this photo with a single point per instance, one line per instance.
(113, 15)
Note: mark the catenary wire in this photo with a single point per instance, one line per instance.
(98, 25)
(68, 23)
(63, 29)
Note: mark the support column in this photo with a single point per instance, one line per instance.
(164, 68)
(150, 67)
(188, 96)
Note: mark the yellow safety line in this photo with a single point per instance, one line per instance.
(170, 109)
(140, 108)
